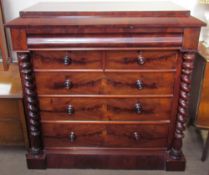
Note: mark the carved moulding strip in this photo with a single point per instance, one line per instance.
(31, 102)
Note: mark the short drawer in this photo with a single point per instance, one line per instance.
(67, 59)
(109, 109)
(151, 83)
(105, 83)
(141, 59)
(105, 135)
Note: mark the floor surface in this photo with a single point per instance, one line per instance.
(12, 162)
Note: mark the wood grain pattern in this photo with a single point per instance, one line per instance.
(106, 22)
(104, 83)
(152, 59)
(105, 109)
(77, 60)
(172, 40)
(19, 41)
(108, 87)
(120, 159)
(56, 135)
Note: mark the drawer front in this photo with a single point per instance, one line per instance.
(140, 83)
(67, 60)
(122, 109)
(105, 83)
(69, 83)
(104, 135)
(141, 59)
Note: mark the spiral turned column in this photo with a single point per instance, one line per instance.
(182, 115)
(31, 102)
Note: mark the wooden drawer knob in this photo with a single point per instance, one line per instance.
(139, 84)
(70, 110)
(140, 60)
(67, 60)
(68, 84)
(72, 137)
(136, 136)
(138, 108)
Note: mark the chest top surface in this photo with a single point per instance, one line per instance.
(143, 14)
(105, 7)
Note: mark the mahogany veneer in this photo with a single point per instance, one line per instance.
(108, 88)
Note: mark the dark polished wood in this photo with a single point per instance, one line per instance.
(105, 135)
(141, 59)
(67, 60)
(30, 103)
(187, 67)
(105, 109)
(105, 83)
(107, 89)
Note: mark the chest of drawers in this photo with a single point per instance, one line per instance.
(106, 88)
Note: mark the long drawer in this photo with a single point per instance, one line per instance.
(105, 83)
(105, 135)
(109, 109)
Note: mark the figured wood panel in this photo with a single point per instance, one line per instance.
(107, 22)
(82, 83)
(76, 60)
(105, 135)
(105, 109)
(19, 39)
(152, 83)
(191, 38)
(150, 59)
(105, 83)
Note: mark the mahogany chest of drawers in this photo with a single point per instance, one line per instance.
(106, 85)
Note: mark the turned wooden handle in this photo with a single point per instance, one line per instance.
(72, 136)
(70, 109)
(140, 60)
(67, 60)
(136, 136)
(68, 84)
(138, 108)
(139, 84)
